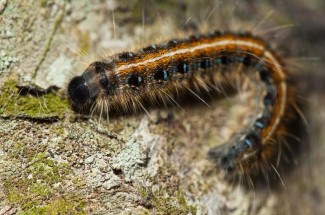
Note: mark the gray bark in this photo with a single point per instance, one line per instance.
(51, 163)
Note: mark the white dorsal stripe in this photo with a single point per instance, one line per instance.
(268, 56)
(191, 49)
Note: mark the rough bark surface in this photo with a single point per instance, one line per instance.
(53, 162)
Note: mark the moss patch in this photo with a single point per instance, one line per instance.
(13, 104)
(41, 187)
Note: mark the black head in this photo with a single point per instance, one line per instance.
(78, 95)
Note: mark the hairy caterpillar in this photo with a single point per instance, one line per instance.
(127, 81)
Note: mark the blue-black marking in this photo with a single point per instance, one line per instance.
(124, 56)
(172, 43)
(134, 80)
(161, 75)
(216, 33)
(194, 38)
(225, 58)
(99, 67)
(218, 60)
(243, 34)
(264, 75)
(268, 99)
(251, 140)
(261, 123)
(247, 61)
(151, 48)
(183, 67)
(197, 64)
(206, 63)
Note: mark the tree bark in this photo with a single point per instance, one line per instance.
(52, 161)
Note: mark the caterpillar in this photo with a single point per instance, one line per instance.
(127, 81)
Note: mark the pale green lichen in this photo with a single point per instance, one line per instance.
(5, 59)
(36, 190)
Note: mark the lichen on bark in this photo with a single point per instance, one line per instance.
(52, 161)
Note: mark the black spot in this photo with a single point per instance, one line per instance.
(224, 160)
(216, 33)
(194, 38)
(161, 75)
(264, 75)
(247, 60)
(206, 63)
(135, 80)
(244, 34)
(227, 164)
(78, 93)
(103, 80)
(126, 56)
(151, 48)
(225, 59)
(183, 67)
(100, 67)
(172, 43)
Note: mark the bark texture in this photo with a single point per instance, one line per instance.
(52, 162)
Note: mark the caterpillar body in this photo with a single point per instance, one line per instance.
(127, 81)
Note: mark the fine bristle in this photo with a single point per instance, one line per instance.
(129, 82)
